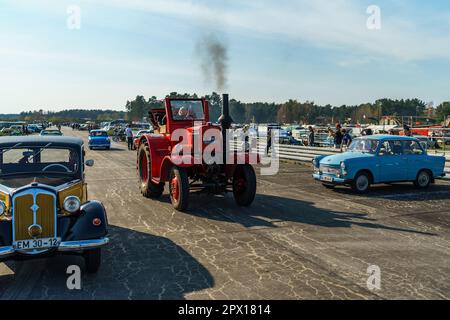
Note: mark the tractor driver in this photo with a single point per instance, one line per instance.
(186, 114)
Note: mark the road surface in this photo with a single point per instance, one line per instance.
(298, 241)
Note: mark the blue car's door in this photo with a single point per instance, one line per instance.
(415, 157)
(391, 163)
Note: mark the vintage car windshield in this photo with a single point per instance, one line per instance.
(99, 134)
(364, 146)
(187, 110)
(50, 132)
(38, 160)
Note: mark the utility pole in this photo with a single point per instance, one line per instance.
(379, 111)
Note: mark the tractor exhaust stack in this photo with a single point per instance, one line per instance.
(225, 119)
(225, 122)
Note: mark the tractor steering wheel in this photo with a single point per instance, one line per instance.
(56, 165)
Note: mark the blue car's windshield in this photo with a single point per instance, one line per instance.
(99, 134)
(364, 146)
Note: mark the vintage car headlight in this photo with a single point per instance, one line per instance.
(343, 168)
(2, 208)
(72, 204)
(315, 167)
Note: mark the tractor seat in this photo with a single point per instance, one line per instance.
(163, 129)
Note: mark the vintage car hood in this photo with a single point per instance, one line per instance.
(335, 160)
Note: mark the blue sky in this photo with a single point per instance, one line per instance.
(317, 50)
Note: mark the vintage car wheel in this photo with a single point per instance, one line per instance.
(361, 183)
(423, 179)
(92, 260)
(179, 188)
(244, 185)
(148, 188)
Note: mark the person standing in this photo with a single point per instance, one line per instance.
(129, 134)
(338, 136)
(346, 139)
(269, 140)
(407, 131)
(311, 137)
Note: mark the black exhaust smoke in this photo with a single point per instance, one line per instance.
(225, 122)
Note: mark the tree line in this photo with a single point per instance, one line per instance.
(292, 111)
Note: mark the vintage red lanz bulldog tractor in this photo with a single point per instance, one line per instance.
(175, 153)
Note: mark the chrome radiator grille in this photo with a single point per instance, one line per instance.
(330, 170)
(34, 207)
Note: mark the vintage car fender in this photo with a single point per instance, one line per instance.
(355, 165)
(437, 165)
(317, 159)
(83, 228)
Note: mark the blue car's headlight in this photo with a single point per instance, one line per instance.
(343, 169)
(316, 165)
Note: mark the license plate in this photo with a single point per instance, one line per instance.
(43, 243)
(326, 178)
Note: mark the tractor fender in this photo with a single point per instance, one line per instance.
(159, 147)
(166, 166)
(171, 161)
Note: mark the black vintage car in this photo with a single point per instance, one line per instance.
(44, 209)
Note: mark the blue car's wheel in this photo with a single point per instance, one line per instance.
(423, 179)
(361, 183)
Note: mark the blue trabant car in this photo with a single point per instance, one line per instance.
(379, 159)
(99, 139)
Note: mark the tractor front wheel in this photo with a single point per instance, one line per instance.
(179, 188)
(244, 185)
(144, 166)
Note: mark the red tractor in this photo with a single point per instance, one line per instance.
(183, 124)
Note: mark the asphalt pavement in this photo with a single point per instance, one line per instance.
(298, 241)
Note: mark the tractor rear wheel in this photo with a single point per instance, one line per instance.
(179, 188)
(244, 185)
(144, 166)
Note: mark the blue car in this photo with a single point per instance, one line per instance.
(99, 139)
(379, 159)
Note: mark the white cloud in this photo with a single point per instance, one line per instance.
(337, 24)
